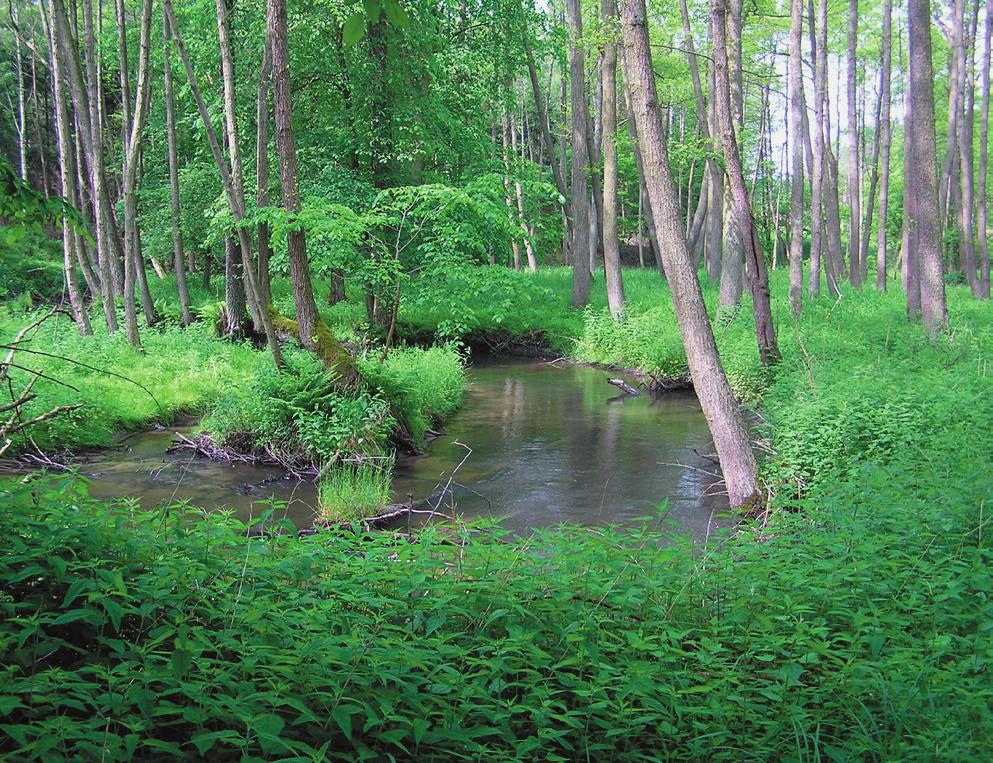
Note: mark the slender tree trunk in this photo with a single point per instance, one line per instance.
(885, 140)
(719, 406)
(519, 194)
(797, 107)
(70, 238)
(132, 147)
(966, 127)
(854, 208)
(611, 250)
(311, 331)
(21, 124)
(758, 276)
(177, 234)
(580, 158)
(108, 242)
(925, 225)
(733, 245)
(230, 179)
(642, 191)
(515, 246)
(262, 173)
(984, 145)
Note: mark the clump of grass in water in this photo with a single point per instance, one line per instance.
(355, 491)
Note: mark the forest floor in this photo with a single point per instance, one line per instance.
(853, 623)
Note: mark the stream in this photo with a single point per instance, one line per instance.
(535, 444)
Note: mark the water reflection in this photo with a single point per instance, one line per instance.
(550, 443)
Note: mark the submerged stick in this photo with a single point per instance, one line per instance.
(623, 385)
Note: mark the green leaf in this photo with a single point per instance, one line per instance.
(372, 10)
(353, 29)
(396, 14)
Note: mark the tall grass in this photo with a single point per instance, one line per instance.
(355, 491)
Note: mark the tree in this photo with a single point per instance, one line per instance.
(179, 264)
(611, 252)
(854, 208)
(309, 328)
(758, 276)
(797, 107)
(885, 139)
(921, 172)
(580, 204)
(719, 406)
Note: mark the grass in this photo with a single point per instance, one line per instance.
(351, 492)
(854, 625)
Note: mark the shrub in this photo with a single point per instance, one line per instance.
(355, 491)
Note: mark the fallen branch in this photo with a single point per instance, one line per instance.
(623, 385)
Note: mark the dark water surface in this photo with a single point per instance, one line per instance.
(550, 443)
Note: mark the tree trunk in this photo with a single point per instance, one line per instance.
(966, 125)
(719, 406)
(854, 207)
(519, 194)
(89, 125)
(642, 191)
(984, 145)
(515, 246)
(580, 158)
(611, 250)
(132, 147)
(758, 276)
(921, 174)
(70, 238)
(310, 329)
(797, 107)
(179, 263)
(885, 140)
(231, 179)
(262, 173)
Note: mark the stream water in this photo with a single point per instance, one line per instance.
(535, 443)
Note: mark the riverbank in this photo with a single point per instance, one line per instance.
(851, 624)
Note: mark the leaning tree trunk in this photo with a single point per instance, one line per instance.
(611, 249)
(758, 276)
(179, 263)
(719, 406)
(926, 227)
(310, 329)
(580, 204)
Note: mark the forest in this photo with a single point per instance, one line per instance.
(495, 380)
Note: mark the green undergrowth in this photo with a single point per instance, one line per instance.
(179, 371)
(855, 624)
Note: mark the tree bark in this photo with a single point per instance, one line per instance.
(108, 242)
(925, 231)
(854, 202)
(70, 238)
(885, 140)
(519, 194)
(179, 263)
(984, 144)
(262, 172)
(235, 191)
(965, 123)
(310, 329)
(758, 276)
(719, 406)
(611, 250)
(797, 107)
(580, 158)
